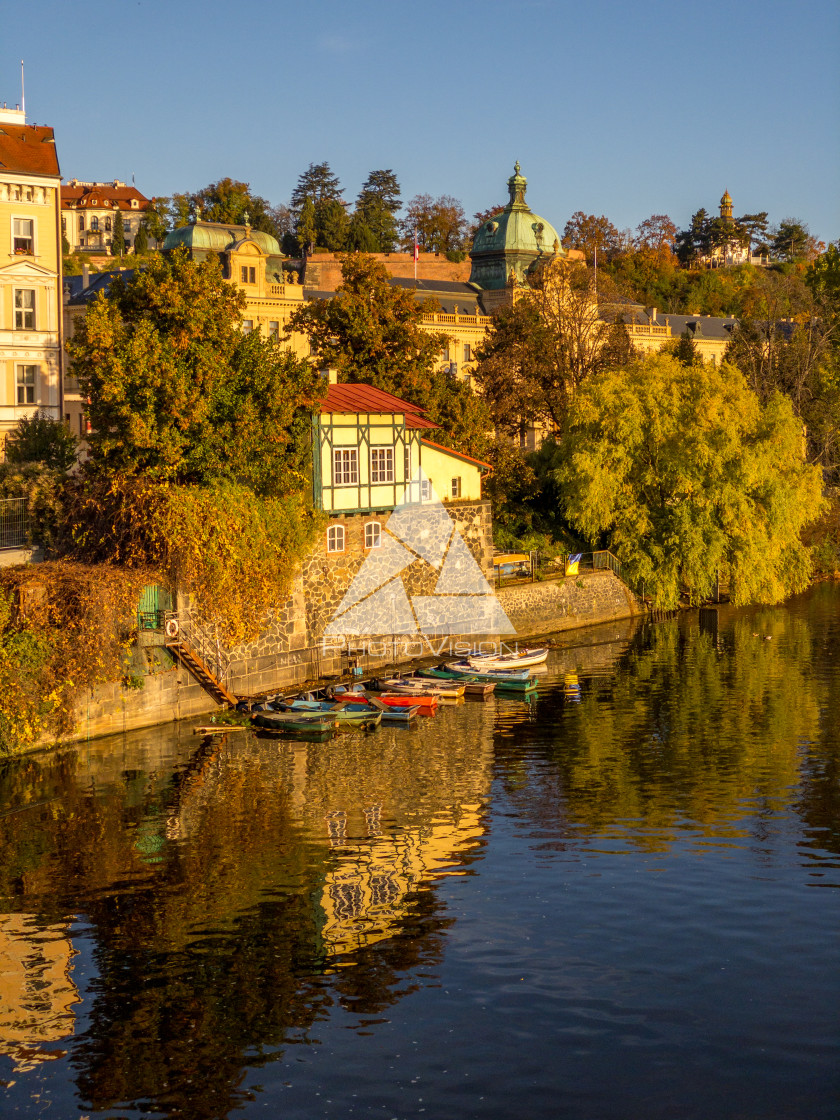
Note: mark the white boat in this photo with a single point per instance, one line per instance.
(523, 659)
(416, 686)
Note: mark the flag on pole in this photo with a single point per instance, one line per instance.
(416, 248)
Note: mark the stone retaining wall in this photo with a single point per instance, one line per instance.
(533, 609)
(563, 604)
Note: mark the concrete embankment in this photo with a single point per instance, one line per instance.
(533, 609)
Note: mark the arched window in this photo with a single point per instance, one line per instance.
(335, 538)
(108, 225)
(373, 534)
(94, 224)
(81, 221)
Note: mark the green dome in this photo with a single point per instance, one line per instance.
(515, 238)
(213, 237)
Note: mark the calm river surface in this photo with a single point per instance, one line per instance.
(619, 901)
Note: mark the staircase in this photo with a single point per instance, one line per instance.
(201, 654)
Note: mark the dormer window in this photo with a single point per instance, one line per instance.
(134, 204)
(248, 274)
(94, 202)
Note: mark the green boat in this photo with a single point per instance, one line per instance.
(503, 684)
(306, 722)
(346, 712)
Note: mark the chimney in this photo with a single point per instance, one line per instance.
(85, 276)
(653, 314)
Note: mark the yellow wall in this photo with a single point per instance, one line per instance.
(441, 467)
(30, 198)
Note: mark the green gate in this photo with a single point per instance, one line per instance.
(155, 601)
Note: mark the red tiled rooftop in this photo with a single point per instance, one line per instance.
(28, 148)
(366, 398)
(457, 454)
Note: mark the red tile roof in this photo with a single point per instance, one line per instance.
(106, 194)
(457, 454)
(365, 398)
(28, 148)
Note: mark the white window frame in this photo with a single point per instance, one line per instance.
(373, 534)
(247, 326)
(455, 487)
(425, 490)
(407, 461)
(345, 470)
(21, 311)
(30, 252)
(335, 538)
(381, 472)
(26, 384)
(467, 352)
(273, 328)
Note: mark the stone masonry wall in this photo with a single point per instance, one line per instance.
(543, 608)
(289, 657)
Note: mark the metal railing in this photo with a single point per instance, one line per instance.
(14, 523)
(537, 566)
(203, 637)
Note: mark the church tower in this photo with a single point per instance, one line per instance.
(726, 206)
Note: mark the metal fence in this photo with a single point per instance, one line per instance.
(14, 523)
(536, 566)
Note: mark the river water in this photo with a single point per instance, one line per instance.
(619, 901)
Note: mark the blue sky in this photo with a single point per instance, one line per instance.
(611, 108)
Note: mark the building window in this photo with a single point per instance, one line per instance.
(81, 221)
(249, 275)
(247, 326)
(335, 538)
(108, 225)
(425, 490)
(94, 224)
(455, 487)
(26, 384)
(24, 309)
(64, 225)
(373, 534)
(382, 464)
(345, 467)
(273, 328)
(134, 204)
(407, 462)
(467, 352)
(24, 236)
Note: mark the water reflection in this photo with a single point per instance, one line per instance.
(37, 993)
(234, 894)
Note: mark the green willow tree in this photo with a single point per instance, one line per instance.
(682, 472)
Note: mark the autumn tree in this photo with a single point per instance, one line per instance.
(177, 393)
(559, 332)
(590, 234)
(370, 331)
(655, 237)
(439, 224)
(683, 473)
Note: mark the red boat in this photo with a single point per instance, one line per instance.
(402, 699)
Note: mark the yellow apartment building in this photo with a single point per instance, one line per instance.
(30, 272)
